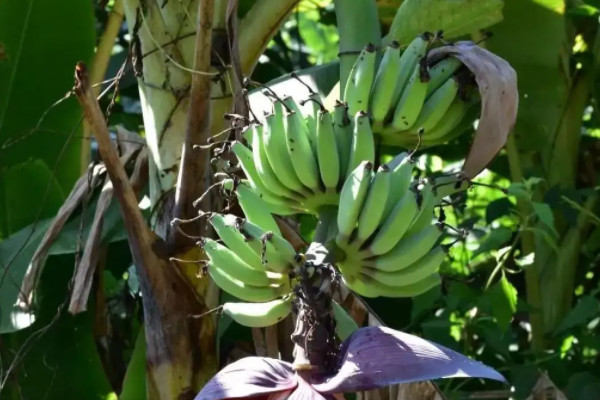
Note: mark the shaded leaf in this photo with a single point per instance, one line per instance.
(497, 209)
(376, 357)
(250, 376)
(587, 307)
(497, 83)
(503, 302)
(455, 18)
(494, 240)
(545, 215)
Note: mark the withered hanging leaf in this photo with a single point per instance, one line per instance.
(497, 82)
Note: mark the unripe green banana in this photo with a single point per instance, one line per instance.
(344, 323)
(441, 71)
(275, 252)
(407, 251)
(264, 169)
(453, 117)
(369, 287)
(436, 106)
(394, 226)
(246, 159)
(342, 126)
(358, 87)
(415, 272)
(401, 168)
(327, 152)
(425, 216)
(384, 86)
(259, 315)
(225, 227)
(408, 61)
(410, 104)
(245, 291)
(276, 149)
(352, 197)
(308, 126)
(372, 211)
(255, 209)
(225, 259)
(300, 151)
(363, 142)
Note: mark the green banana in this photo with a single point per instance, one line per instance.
(246, 159)
(401, 168)
(451, 119)
(419, 270)
(358, 86)
(342, 126)
(408, 61)
(394, 226)
(308, 123)
(407, 251)
(344, 323)
(255, 209)
(384, 85)
(264, 169)
(352, 197)
(369, 287)
(363, 142)
(225, 226)
(441, 71)
(372, 211)
(425, 216)
(259, 315)
(300, 151)
(275, 252)
(276, 149)
(327, 152)
(410, 104)
(436, 106)
(245, 291)
(225, 259)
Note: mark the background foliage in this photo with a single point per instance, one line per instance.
(546, 229)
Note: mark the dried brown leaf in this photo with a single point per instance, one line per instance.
(497, 82)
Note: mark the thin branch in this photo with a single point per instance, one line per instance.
(195, 164)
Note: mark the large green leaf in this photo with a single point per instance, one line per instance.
(61, 361)
(454, 17)
(41, 41)
(533, 39)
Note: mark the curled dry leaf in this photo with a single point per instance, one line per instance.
(497, 82)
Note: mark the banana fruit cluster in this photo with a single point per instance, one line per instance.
(298, 163)
(406, 96)
(253, 262)
(387, 236)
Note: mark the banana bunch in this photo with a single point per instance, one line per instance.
(406, 96)
(253, 262)
(387, 237)
(298, 164)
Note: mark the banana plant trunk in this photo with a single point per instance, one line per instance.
(183, 55)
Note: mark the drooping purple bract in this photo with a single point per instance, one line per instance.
(371, 358)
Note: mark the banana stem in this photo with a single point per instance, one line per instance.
(532, 275)
(350, 15)
(326, 225)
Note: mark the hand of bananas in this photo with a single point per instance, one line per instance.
(298, 164)
(386, 233)
(408, 93)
